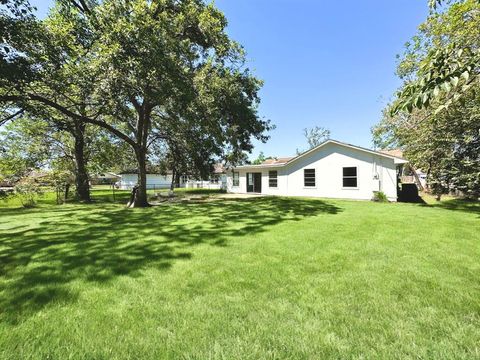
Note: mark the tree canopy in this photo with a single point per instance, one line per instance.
(146, 72)
(440, 130)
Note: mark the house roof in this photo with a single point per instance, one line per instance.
(397, 160)
(276, 161)
(106, 175)
(398, 153)
(135, 171)
(218, 168)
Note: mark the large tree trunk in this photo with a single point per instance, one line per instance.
(82, 184)
(141, 193)
(140, 147)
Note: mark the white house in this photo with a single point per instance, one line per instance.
(332, 170)
(218, 180)
(154, 181)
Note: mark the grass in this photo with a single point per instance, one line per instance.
(252, 279)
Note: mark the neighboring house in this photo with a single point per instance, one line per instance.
(218, 180)
(107, 178)
(332, 170)
(129, 179)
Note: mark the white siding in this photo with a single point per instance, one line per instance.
(328, 162)
(154, 181)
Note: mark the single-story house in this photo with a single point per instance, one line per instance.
(129, 178)
(106, 178)
(218, 180)
(333, 169)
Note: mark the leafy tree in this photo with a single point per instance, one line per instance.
(95, 68)
(260, 159)
(440, 129)
(446, 66)
(60, 145)
(446, 145)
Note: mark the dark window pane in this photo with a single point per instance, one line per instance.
(272, 178)
(350, 182)
(349, 171)
(236, 179)
(309, 177)
(309, 183)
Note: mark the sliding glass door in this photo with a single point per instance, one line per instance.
(254, 182)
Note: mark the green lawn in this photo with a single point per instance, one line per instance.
(272, 278)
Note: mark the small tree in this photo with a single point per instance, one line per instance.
(28, 190)
(260, 159)
(315, 136)
(60, 181)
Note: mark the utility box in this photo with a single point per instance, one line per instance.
(376, 185)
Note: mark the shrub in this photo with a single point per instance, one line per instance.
(379, 196)
(28, 192)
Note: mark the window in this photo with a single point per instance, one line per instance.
(309, 177)
(273, 179)
(236, 179)
(350, 177)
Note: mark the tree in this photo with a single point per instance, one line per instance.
(57, 144)
(439, 131)
(260, 159)
(315, 136)
(182, 64)
(447, 68)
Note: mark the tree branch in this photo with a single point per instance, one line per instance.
(71, 114)
(12, 116)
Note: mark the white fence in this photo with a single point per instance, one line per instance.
(193, 184)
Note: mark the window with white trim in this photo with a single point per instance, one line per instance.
(350, 179)
(309, 177)
(273, 178)
(236, 178)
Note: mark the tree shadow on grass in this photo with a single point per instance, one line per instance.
(468, 206)
(92, 243)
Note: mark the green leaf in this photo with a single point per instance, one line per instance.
(425, 99)
(447, 87)
(436, 91)
(454, 81)
(465, 75)
(418, 102)
(409, 107)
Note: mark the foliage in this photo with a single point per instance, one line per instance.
(315, 136)
(260, 158)
(439, 135)
(60, 181)
(27, 191)
(379, 196)
(95, 68)
(445, 59)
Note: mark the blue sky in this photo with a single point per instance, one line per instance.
(326, 63)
